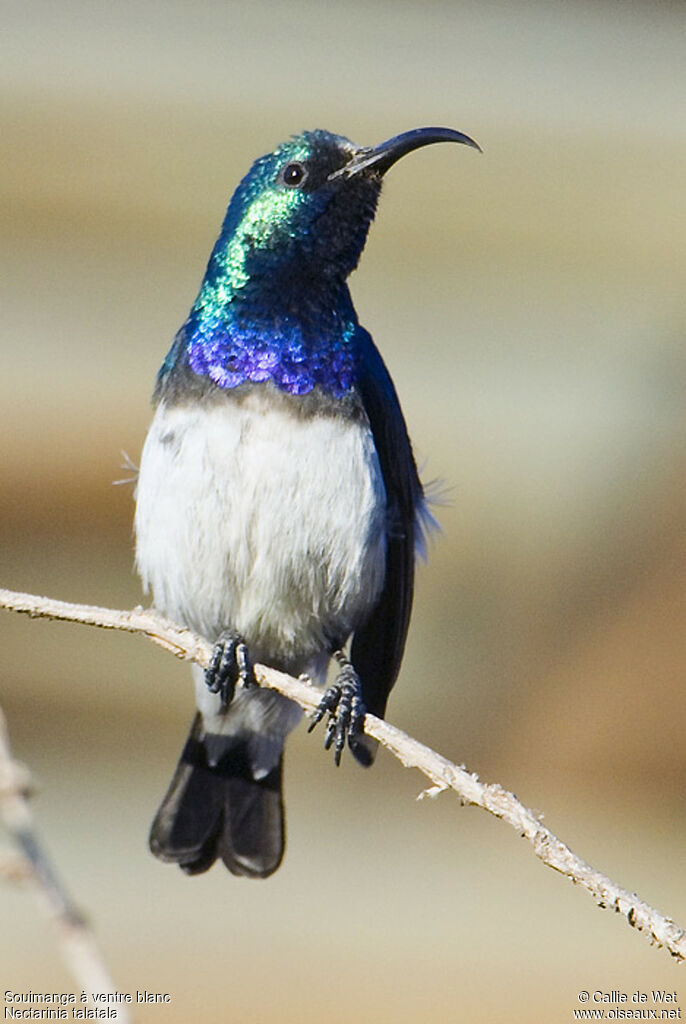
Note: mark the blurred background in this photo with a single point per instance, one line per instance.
(530, 306)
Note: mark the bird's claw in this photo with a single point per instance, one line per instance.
(230, 664)
(343, 702)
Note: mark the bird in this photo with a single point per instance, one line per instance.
(279, 510)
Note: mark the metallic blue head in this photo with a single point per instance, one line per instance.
(274, 304)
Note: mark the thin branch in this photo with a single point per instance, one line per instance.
(77, 942)
(442, 773)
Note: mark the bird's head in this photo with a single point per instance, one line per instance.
(273, 304)
(300, 216)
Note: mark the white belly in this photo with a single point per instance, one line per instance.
(251, 517)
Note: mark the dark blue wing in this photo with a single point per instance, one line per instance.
(377, 647)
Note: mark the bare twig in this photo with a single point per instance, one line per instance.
(442, 773)
(77, 942)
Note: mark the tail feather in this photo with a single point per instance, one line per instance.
(220, 810)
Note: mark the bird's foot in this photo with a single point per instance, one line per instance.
(345, 707)
(230, 664)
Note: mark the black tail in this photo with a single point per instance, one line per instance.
(220, 810)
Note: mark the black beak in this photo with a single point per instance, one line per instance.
(383, 156)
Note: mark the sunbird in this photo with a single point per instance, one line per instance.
(279, 509)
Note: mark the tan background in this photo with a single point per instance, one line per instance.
(530, 305)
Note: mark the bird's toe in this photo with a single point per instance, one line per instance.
(230, 664)
(343, 702)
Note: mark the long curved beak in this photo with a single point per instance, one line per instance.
(383, 156)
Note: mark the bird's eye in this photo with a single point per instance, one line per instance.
(294, 175)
